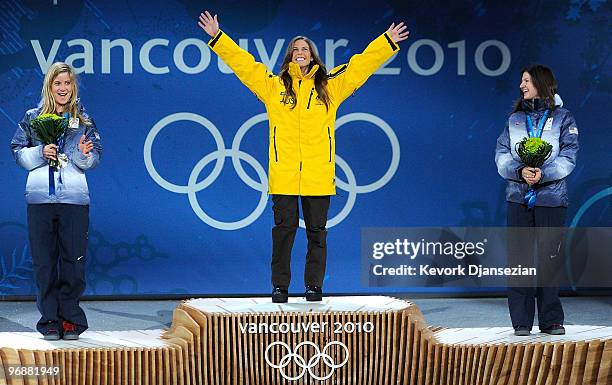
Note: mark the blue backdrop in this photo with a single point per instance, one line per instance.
(415, 145)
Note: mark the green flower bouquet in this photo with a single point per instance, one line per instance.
(533, 153)
(51, 129)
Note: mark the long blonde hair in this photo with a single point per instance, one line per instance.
(47, 101)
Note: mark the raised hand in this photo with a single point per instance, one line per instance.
(85, 147)
(209, 24)
(398, 32)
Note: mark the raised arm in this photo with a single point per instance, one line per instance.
(88, 152)
(345, 79)
(251, 73)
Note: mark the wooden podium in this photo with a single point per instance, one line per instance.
(343, 340)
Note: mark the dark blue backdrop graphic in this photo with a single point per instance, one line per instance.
(415, 145)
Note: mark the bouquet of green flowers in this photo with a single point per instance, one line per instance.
(533, 153)
(51, 129)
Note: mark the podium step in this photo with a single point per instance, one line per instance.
(341, 340)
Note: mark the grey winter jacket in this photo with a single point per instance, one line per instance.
(562, 135)
(27, 151)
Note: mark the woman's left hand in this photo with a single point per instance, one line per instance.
(85, 148)
(398, 32)
(533, 176)
(538, 175)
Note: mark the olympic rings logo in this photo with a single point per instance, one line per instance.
(261, 185)
(301, 361)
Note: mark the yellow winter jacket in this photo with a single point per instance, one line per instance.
(302, 144)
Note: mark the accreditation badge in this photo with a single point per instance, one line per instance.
(73, 122)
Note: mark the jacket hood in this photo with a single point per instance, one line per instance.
(531, 105)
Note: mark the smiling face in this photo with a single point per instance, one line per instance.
(527, 87)
(61, 89)
(301, 54)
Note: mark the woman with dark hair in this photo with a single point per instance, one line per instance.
(301, 102)
(58, 202)
(538, 113)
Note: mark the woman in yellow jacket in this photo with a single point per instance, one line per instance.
(301, 102)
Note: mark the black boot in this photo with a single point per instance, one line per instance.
(522, 331)
(313, 293)
(280, 294)
(555, 330)
(51, 335)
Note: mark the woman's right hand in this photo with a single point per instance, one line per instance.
(209, 23)
(529, 174)
(50, 151)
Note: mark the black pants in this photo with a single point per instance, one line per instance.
(286, 220)
(522, 300)
(58, 242)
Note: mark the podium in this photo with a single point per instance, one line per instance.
(342, 340)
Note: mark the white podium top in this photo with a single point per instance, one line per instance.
(505, 335)
(298, 304)
(87, 340)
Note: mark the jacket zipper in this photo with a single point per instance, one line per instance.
(309, 98)
(299, 138)
(275, 152)
(330, 143)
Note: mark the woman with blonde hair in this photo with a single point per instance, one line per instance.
(301, 102)
(58, 202)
